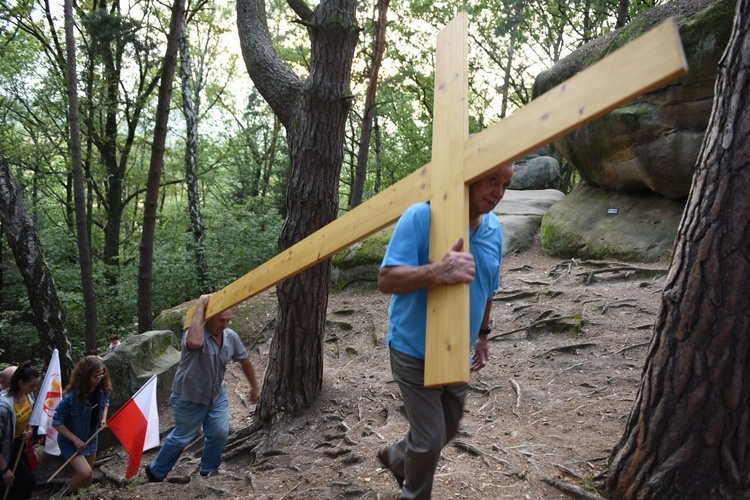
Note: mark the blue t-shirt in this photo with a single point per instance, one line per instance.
(409, 246)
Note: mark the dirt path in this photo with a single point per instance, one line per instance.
(552, 402)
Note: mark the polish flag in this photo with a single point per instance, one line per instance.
(46, 404)
(136, 425)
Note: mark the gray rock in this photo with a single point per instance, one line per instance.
(136, 359)
(594, 224)
(538, 172)
(520, 214)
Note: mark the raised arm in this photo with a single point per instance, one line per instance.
(195, 330)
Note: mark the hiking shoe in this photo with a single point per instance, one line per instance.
(210, 473)
(150, 475)
(383, 457)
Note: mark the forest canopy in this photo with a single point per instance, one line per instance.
(237, 180)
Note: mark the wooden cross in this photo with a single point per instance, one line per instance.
(459, 160)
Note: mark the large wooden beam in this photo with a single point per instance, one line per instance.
(369, 217)
(448, 306)
(641, 66)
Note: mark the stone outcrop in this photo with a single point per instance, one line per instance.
(653, 142)
(136, 359)
(520, 214)
(535, 172)
(591, 223)
(649, 145)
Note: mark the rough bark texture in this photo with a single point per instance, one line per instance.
(145, 267)
(190, 112)
(27, 251)
(76, 161)
(688, 435)
(314, 114)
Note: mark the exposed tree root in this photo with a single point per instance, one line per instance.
(560, 320)
(565, 348)
(571, 489)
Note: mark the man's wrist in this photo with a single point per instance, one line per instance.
(6, 469)
(483, 332)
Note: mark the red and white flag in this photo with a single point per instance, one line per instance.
(136, 425)
(46, 403)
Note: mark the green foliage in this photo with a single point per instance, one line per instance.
(241, 239)
(241, 185)
(104, 28)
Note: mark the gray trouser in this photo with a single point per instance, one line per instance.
(433, 413)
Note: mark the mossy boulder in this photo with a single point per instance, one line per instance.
(172, 319)
(594, 224)
(361, 261)
(137, 358)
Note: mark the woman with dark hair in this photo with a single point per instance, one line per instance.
(16, 404)
(81, 411)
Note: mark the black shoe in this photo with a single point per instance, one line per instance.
(383, 457)
(150, 475)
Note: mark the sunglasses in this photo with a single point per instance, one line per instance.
(99, 377)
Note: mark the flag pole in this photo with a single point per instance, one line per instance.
(100, 429)
(110, 417)
(15, 465)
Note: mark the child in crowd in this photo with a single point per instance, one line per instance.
(81, 411)
(114, 341)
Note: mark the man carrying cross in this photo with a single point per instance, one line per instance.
(434, 412)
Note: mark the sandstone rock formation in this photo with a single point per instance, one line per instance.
(647, 146)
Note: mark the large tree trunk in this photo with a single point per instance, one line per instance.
(314, 115)
(146, 264)
(27, 251)
(688, 435)
(76, 161)
(190, 112)
(378, 47)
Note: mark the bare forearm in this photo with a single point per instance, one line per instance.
(66, 433)
(405, 279)
(455, 267)
(195, 329)
(249, 370)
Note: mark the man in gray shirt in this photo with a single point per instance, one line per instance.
(199, 395)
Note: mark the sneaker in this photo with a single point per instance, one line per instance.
(150, 475)
(210, 473)
(383, 457)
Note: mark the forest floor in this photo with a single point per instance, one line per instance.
(567, 349)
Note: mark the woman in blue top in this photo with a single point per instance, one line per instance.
(82, 410)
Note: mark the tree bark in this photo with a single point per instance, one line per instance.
(146, 264)
(190, 112)
(27, 252)
(79, 199)
(622, 13)
(314, 114)
(358, 185)
(688, 433)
